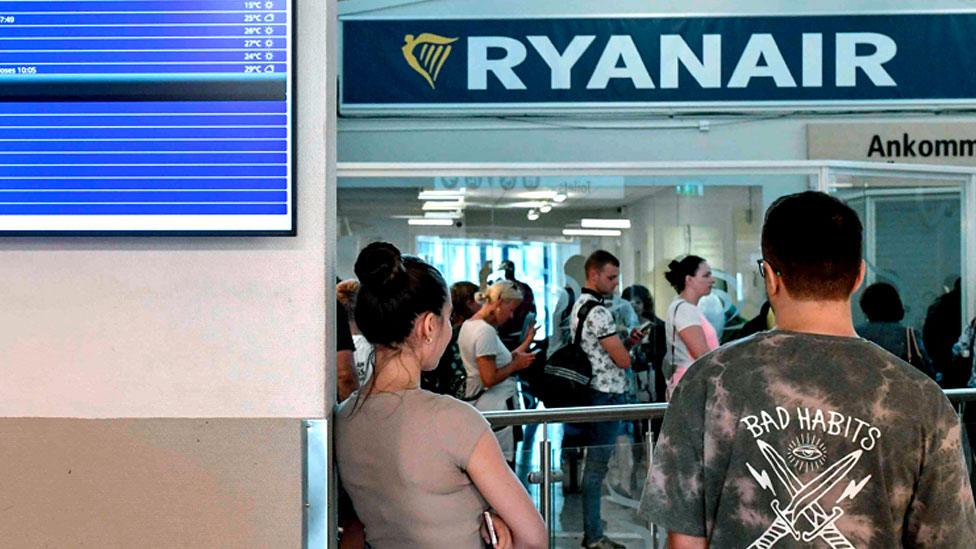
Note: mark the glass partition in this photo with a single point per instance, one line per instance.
(912, 242)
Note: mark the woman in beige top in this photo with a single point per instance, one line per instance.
(420, 468)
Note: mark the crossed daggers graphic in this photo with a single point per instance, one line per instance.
(804, 502)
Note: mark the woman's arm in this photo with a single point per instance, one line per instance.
(491, 375)
(694, 339)
(503, 491)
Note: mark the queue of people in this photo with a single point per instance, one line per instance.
(780, 391)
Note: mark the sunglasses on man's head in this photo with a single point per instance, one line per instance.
(762, 272)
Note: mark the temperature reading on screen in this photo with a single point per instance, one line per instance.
(145, 115)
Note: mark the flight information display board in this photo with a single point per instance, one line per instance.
(145, 117)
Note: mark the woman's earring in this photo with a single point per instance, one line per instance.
(429, 341)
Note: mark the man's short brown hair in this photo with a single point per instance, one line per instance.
(813, 242)
(598, 260)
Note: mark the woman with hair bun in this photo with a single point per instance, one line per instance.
(420, 468)
(689, 334)
(488, 363)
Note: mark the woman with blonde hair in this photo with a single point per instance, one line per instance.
(488, 363)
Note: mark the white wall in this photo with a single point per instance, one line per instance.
(178, 327)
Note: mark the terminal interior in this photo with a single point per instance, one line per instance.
(460, 223)
(912, 228)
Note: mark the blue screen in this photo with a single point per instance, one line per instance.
(158, 116)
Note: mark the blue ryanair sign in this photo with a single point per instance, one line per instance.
(673, 63)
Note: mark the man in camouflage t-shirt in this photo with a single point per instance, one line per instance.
(808, 436)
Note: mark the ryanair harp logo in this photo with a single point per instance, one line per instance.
(430, 58)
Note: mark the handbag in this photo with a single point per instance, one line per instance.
(914, 354)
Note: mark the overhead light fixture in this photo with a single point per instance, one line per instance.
(527, 204)
(591, 232)
(605, 223)
(428, 222)
(456, 205)
(545, 208)
(442, 195)
(536, 195)
(443, 215)
(532, 215)
(559, 198)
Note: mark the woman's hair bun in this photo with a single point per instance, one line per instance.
(674, 265)
(378, 264)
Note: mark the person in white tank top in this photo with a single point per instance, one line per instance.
(689, 334)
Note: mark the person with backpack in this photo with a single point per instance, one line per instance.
(609, 359)
(489, 364)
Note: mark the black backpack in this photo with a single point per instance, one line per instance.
(449, 378)
(567, 374)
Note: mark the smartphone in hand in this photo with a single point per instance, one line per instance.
(490, 527)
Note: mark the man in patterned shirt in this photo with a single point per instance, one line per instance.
(609, 358)
(807, 435)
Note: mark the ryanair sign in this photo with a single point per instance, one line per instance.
(663, 63)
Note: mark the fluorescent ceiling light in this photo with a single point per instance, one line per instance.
(443, 215)
(443, 205)
(425, 222)
(605, 223)
(536, 195)
(441, 195)
(591, 232)
(527, 204)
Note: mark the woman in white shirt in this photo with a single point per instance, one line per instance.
(488, 363)
(689, 334)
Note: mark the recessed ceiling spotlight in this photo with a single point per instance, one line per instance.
(532, 215)
(545, 208)
(559, 198)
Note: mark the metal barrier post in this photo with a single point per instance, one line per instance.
(545, 492)
(650, 461)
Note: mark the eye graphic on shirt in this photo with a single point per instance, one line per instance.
(807, 453)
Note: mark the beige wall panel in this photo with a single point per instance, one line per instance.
(151, 483)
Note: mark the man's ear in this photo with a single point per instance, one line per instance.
(774, 285)
(861, 273)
